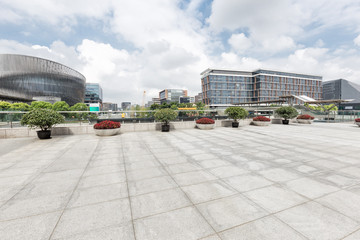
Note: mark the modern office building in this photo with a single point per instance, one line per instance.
(226, 87)
(198, 97)
(344, 90)
(24, 78)
(107, 106)
(125, 105)
(187, 99)
(93, 93)
(172, 95)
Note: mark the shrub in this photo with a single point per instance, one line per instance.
(261, 119)
(42, 118)
(20, 106)
(165, 115)
(306, 117)
(357, 120)
(286, 112)
(107, 125)
(236, 113)
(4, 105)
(61, 106)
(205, 121)
(40, 104)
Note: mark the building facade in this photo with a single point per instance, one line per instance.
(24, 78)
(125, 106)
(226, 87)
(344, 90)
(93, 93)
(107, 106)
(172, 95)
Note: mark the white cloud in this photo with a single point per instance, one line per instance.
(357, 40)
(239, 42)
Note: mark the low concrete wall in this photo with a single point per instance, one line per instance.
(88, 129)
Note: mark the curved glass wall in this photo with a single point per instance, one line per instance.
(24, 77)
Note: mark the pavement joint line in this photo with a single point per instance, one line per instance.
(75, 187)
(127, 187)
(186, 195)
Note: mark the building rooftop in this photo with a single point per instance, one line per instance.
(275, 182)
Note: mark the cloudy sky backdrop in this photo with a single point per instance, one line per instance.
(132, 46)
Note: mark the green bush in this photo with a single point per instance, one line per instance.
(4, 105)
(165, 115)
(236, 113)
(286, 112)
(61, 106)
(40, 104)
(20, 107)
(42, 118)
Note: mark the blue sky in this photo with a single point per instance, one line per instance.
(132, 46)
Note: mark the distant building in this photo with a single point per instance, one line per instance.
(342, 89)
(93, 93)
(171, 95)
(107, 106)
(187, 100)
(198, 98)
(226, 87)
(125, 106)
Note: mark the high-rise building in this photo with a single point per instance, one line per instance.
(125, 105)
(344, 90)
(107, 106)
(172, 95)
(225, 87)
(198, 97)
(93, 93)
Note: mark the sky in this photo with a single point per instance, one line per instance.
(148, 45)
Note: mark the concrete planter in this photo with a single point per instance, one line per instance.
(304, 121)
(261, 123)
(107, 132)
(357, 123)
(205, 126)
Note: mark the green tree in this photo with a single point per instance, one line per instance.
(155, 106)
(61, 106)
(287, 112)
(40, 104)
(80, 107)
(42, 118)
(4, 105)
(20, 106)
(165, 115)
(236, 113)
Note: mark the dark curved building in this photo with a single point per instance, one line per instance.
(24, 77)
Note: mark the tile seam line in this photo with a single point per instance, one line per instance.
(73, 191)
(188, 198)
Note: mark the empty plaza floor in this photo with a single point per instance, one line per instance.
(276, 182)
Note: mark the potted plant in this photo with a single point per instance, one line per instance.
(261, 121)
(305, 119)
(286, 113)
(44, 119)
(357, 121)
(205, 123)
(165, 115)
(107, 128)
(236, 113)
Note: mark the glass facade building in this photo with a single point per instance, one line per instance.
(172, 95)
(344, 90)
(23, 78)
(93, 93)
(225, 87)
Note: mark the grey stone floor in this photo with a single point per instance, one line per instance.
(275, 182)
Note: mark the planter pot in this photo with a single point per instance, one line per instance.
(165, 128)
(304, 121)
(285, 121)
(261, 123)
(44, 134)
(235, 124)
(107, 132)
(357, 123)
(205, 126)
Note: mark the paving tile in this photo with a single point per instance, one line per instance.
(103, 179)
(140, 174)
(212, 237)
(158, 202)
(122, 232)
(227, 171)
(60, 176)
(317, 222)
(151, 185)
(33, 206)
(182, 167)
(181, 224)
(353, 236)
(37, 227)
(275, 198)
(213, 163)
(230, 212)
(103, 170)
(279, 175)
(207, 191)
(91, 217)
(247, 182)
(310, 188)
(92, 195)
(141, 165)
(268, 228)
(195, 177)
(352, 171)
(343, 201)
